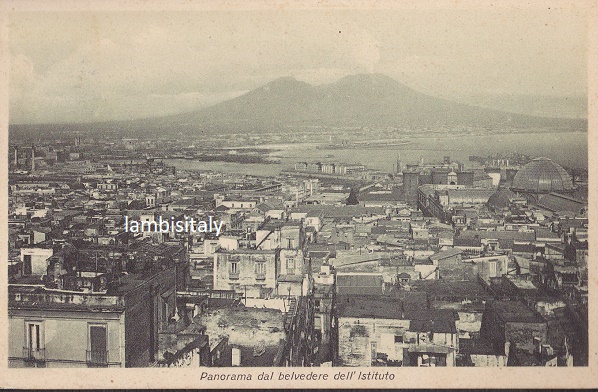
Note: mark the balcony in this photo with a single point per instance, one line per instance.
(97, 358)
(260, 276)
(37, 355)
(233, 275)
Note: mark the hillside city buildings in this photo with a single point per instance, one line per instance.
(324, 264)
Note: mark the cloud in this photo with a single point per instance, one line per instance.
(117, 73)
(366, 51)
(316, 76)
(22, 76)
(98, 66)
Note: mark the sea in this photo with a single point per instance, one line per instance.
(566, 148)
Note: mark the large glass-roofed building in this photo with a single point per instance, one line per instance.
(542, 175)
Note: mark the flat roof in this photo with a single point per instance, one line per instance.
(246, 251)
(467, 289)
(400, 305)
(514, 311)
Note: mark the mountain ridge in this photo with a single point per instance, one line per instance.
(359, 100)
(366, 100)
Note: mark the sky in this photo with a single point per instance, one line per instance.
(85, 66)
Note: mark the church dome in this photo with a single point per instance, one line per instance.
(542, 175)
(501, 199)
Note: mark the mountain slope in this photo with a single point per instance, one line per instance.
(364, 100)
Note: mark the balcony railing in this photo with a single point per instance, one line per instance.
(233, 275)
(34, 354)
(96, 358)
(260, 276)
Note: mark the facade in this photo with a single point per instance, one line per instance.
(298, 346)
(47, 331)
(250, 272)
(276, 234)
(34, 259)
(432, 341)
(99, 306)
(292, 277)
(513, 322)
(443, 201)
(59, 328)
(410, 185)
(378, 331)
(324, 327)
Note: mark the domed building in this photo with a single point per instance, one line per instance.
(503, 199)
(542, 175)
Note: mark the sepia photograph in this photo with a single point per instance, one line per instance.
(295, 194)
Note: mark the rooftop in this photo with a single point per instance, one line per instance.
(555, 202)
(421, 320)
(246, 251)
(339, 211)
(246, 329)
(36, 297)
(441, 289)
(542, 175)
(450, 252)
(356, 284)
(498, 235)
(515, 312)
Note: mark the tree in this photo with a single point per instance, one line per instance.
(352, 199)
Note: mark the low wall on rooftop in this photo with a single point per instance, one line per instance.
(50, 298)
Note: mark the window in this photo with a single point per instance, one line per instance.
(233, 268)
(34, 352)
(260, 268)
(97, 355)
(35, 336)
(27, 265)
(290, 264)
(398, 339)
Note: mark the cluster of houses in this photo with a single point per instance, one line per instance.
(459, 275)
